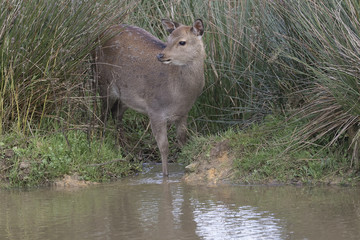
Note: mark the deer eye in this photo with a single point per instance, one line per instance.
(182, 43)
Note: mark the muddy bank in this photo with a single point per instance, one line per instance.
(71, 181)
(213, 169)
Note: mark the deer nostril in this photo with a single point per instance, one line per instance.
(160, 56)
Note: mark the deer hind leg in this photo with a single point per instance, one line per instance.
(107, 105)
(181, 132)
(117, 111)
(159, 129)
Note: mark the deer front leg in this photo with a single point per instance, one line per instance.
(159, 129)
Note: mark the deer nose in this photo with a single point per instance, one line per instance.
(160, 56)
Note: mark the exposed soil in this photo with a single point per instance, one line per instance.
(72, 181)
(211, 170)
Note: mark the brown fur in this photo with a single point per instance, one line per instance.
(136, 70)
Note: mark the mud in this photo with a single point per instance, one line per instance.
(72, 181)
(212, 170)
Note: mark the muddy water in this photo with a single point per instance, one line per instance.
(146, 207)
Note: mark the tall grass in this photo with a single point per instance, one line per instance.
(323, 39)
(262, 57)
(43, 47)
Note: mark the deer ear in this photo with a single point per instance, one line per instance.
(198, 28)
(170, 26)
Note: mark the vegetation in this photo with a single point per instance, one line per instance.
(39, 159)
(295, 60)
(47, 108)
(260, 155)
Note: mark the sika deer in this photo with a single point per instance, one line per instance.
(136, 70)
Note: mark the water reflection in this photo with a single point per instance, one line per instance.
(147, 207)
(217, 221)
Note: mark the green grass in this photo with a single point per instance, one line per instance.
(261, 156)
(39, 160)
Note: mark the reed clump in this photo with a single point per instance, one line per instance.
(44, 48)
(323, 39)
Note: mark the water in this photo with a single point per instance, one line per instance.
(146, 207)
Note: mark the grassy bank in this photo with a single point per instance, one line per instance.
(295, 60)
(262, 154)
(42, 158)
